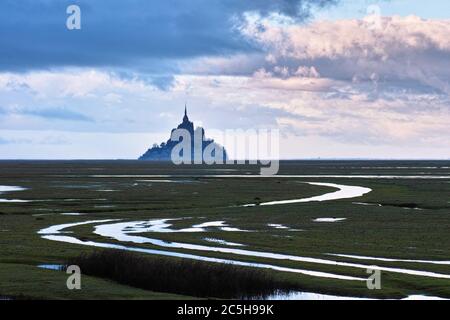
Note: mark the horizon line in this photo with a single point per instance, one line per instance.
(246, 160)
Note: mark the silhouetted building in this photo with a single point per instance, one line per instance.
(163, 151)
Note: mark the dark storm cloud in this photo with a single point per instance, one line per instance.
(136, 33)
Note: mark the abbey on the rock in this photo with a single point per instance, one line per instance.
(163, 151)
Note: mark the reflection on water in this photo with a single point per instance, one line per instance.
(162, 226)
(168, 181)
(57, 229)
(73, 240)
(57, 267)
(368, 204)
(277, 226)
(271, 176)
(128, 232)
(223, 242)
(11, 189)
(53, 233)
(297, 295)
(388, 259)
(119, 232)
(329, 219)
(281, 295)
(344, 192)
(4, 189)
(282, 227)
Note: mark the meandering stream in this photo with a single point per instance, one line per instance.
(126, 232)
(343, 192)
(4, 189)
(123, 232)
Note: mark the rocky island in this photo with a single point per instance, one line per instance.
(163, 151)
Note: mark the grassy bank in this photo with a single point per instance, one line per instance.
(405, 219)
(19, 281)
(186, 277)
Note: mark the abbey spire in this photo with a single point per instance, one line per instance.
(185, 118)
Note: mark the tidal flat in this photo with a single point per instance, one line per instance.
(403, 224)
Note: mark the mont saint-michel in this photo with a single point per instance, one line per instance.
(200, 148)
(335, 182)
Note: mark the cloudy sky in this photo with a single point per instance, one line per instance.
(339, 79)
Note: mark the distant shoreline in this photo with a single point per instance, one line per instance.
(156, 161)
